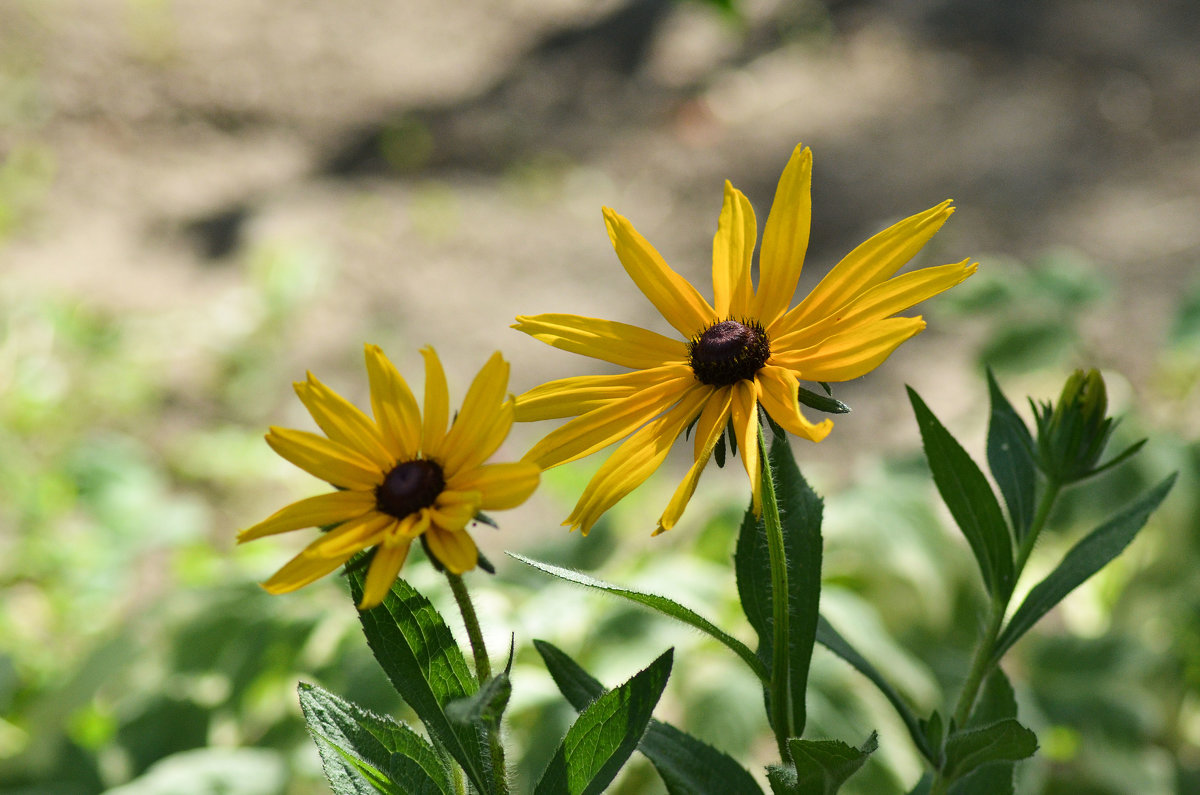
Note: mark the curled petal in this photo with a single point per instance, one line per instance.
(385, 567)
(712, 422)
(394, 406)
(454, 550)
(744, 412)
(501, 486)
(569, 397)
(437, 404)
(326, 459)
(484, 420)
(852, 353)
(733, 249)
(785, 238)
(777, 392)
(322, 509)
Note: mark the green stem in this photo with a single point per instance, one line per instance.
(781, 697)
(982, 662)
(483, 672)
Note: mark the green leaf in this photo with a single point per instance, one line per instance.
(996, 702)
(364, 753)
(485, 706)
(826, 403)
(1010, 457)
(1085, 559)
(604, 735)
(1003, 741)
(967, 494)
(418, 653)
(822, 766)
(660, 603)
(800, 511)
(687, 765)
(828, 637)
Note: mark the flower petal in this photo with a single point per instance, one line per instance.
(864, 267)
(342, 421)
(456, 551)
(355, 535)
(483, 422)
(733, 249)
(453, 516)
(601, 427)
(569, 397)
(385, 567)
(323, 509)
(502, 486)
(607, 340)
(744, 413)
(673, 296)
(785, 238)
(778, 393)
(394, 406)
(882, 300)
(328, 460)
(300, 571)
(713, 419)
(437, 403)
(635, 460)
(852, 353)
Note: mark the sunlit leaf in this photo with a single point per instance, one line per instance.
(605, 734)
(687, 765)
(1085, 559)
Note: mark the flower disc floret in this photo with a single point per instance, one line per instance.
(409, 487)
(728, 352)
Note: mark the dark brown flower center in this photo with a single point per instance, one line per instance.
(729, 351)
(409, 487)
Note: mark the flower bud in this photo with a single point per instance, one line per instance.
(1072, 435)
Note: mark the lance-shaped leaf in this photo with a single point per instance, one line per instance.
(822, 766)
(1003, 741)
(800, 511)
(364, 753)
(485, 706)
(660, 603)
(418, 653)
(604, 735)
(828, 637)
(996, 702)
(1010, 457)
(967, 494)
(1085, 559)
(687, 765)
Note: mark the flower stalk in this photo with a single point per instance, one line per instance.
(483, 672)
(780, 685)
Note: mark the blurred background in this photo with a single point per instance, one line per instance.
(199, 201)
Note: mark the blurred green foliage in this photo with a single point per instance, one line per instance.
(136, 653)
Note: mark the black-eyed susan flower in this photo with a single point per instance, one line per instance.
(744, 350)
(399, 478)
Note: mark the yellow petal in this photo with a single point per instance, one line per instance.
(332, 462)
(322, 509)
(300, 571)
(744, 412)
(501, 486)
(343, 422)
(453, 516)
(437, 403)
(607, 340)
(852, 353)
(785, 238)
(354, 536)
(569, 397)
(635, 460)
(394, 406)
(483, 422)
(733, 248)
(456, 551)
(709, 428)
(882, 300)
(385, 567)
(864, 267)
(777, 393)
(601, 427)
(673, 296)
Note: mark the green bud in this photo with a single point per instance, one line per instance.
(1073, 434)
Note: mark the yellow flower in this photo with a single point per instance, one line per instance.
(398, 478)
(744, 350)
